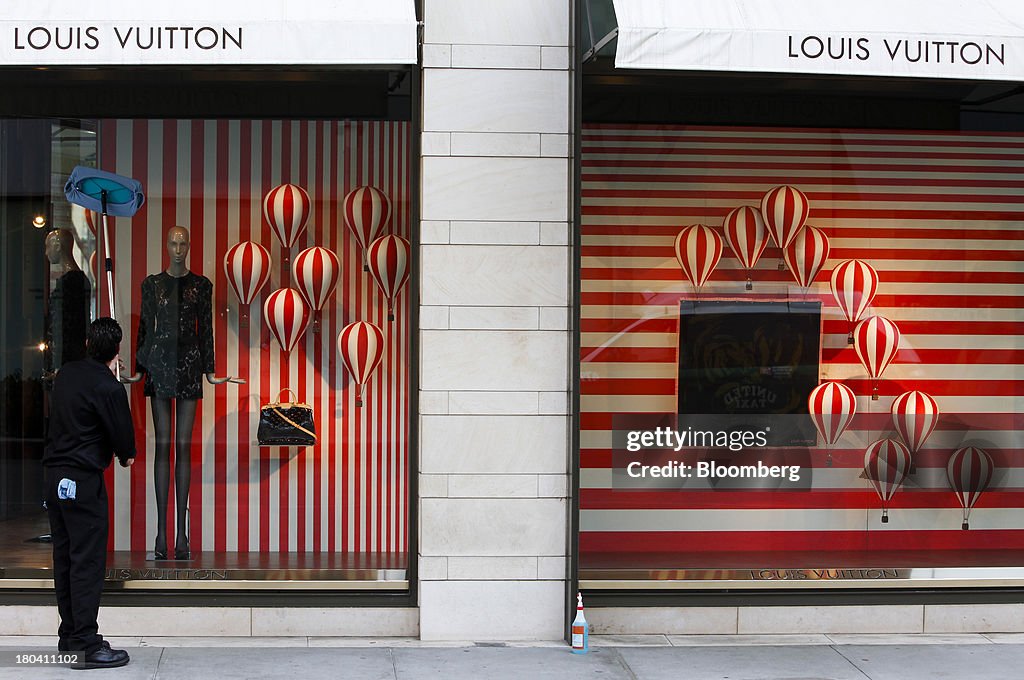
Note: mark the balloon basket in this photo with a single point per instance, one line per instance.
(874, 393)
(849, 338)
(781, 266)
(359, 401)
(316, 321)
(885, 516)
(750, 284)
(965, 526)
(828, 460)
(391, 316)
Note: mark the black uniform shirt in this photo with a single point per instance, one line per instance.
(89, 418)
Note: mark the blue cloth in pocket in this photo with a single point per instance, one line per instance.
(66, 489)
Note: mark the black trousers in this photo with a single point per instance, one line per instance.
(79, 530)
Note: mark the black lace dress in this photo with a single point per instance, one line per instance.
(174, 345)
(67, 319)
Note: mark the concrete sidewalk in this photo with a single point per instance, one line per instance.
(646, 657)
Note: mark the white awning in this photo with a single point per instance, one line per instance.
(962, 39)
(207, 32)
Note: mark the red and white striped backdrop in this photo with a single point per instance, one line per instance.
(939, 215)
(349, 492)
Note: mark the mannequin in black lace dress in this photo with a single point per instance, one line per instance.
(174, 352)
(67, 312)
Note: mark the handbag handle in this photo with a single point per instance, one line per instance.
(295, 397)
(294, 424)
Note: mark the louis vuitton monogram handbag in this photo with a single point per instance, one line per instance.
(287, 423)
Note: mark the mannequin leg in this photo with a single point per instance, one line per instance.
(161, 469)
(185, 416)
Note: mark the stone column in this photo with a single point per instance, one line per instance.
(495, 339)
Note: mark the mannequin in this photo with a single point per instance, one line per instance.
(67, 314)
(174, 351)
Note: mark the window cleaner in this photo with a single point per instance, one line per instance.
(580, 634)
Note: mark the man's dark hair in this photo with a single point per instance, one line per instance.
(103, 339)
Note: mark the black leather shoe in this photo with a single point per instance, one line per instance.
(104, 657)
(181, 551)
(160, 550)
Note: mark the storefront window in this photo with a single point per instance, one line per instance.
(708, 452)
(334, 510)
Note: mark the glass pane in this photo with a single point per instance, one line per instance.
(675, 342)
(333, 510)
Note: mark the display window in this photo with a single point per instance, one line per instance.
(800, 356)
(262, 287)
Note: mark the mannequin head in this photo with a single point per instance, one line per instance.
(59, 245)
(177, 249)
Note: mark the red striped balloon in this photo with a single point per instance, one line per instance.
(316, 271)
(367, 211)
(247, 267)
(698, 249)
(361, 345)
(876, 340)
(914, 414)
(806, 255)
(388, 259)
(83, 219)
(832, 406)
(854, 283)
(969, 471)
(287, 316)
(785, 211)
(286, 208)
(747, 236)
(886, 462)
(92, 220)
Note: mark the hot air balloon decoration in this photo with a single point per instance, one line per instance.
(886, 462)
(388, 259)
(832, 406)
(83, 217)
(287, 316)
(698, 249)
(367, 211)
(287, 208)
(969, 471)
(747, 236)
(876, 341)
(247, 267)
(806, 254)
(914, 415)
(854, 283)
(361, 345)
(92, 221)
(785, 211)
(316, 271)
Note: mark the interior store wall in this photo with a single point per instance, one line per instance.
(494, 401)
(935, 213)
(347, 493)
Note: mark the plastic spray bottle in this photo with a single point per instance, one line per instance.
(580, 634)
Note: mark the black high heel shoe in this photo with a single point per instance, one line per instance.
(160, 553)
(181, 551)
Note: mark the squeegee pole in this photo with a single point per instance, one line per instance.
(108, 264)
